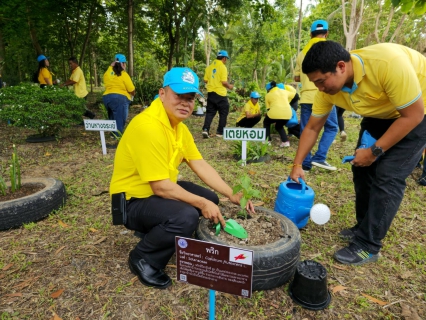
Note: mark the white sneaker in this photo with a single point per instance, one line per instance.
(285, 144)
(343, 136)
(324, 165)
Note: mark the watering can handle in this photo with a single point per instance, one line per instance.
(302, 182)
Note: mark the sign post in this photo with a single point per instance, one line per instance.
(215, 267)
(101, 126)
(244, 134)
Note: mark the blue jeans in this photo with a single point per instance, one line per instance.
(118, 109)
(161, 220)
(379, 188)
(327, 138)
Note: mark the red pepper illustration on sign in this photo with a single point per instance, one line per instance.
(241, 256)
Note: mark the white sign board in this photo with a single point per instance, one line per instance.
(244, 134)
(101, 126)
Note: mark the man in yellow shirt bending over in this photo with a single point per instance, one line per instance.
(146, 165)
(386, 84)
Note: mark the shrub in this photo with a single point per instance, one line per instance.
(146, 89)
(46, 110)
(255, 150)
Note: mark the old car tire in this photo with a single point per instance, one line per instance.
(273, 264)
(14, 213)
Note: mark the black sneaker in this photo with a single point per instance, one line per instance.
(205, 134)
(324, 165)
(354, 255)
(347, 234)
(306, 168)
(422, 181)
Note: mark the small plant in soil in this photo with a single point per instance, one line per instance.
(255, 150)
(14, 174)
(248, 194)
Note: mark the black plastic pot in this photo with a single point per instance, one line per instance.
(36, 138)
(309, 286)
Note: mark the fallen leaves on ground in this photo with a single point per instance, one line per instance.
(409, 312)
(372, 299)
(338, 288)
(57, 294)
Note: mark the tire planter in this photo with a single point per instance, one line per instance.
(273, 264)
(14, 213)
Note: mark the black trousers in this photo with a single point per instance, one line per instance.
(279, 126)
(340, 120)
(216, 103)
(161, 220)
(379, 188)
(248, 122)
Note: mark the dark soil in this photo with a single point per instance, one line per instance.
(261, 229)
(26, 189)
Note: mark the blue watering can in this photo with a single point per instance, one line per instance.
(295, 200)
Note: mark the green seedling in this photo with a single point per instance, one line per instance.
(248, 194)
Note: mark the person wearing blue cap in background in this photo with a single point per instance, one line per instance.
(44, 76)
(250, 115)
(119, 92)
(319, 32)
(159, 207)
(279, 112)
(216, 78)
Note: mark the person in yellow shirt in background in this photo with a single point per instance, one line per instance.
(279, 112)
(119, 92)
(44, 75)
(146, 164)
(216, 78)
(386, 84)
(250, 115)
(319, 33)
(78, 81)
(294, 98)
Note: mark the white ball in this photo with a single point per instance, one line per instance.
(320, 213)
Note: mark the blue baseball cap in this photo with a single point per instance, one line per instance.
(281, 86)
(182, 80)
(255, 95)
(41, 58)
(121, 58)
(156, 96)
(319, 25)
(223, 54)
(268, 86)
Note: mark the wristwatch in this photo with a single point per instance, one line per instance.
(377, 151)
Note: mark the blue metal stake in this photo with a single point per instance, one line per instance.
(212, 304)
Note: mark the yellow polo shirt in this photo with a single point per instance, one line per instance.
(308, 88)
(80, 88)
(277, 104)
(119, 85)
(43, 74)
(249, 107)
(215, 74)
(387, 77)
(290, 91)
(150, 150)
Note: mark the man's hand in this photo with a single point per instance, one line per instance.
(363, 158)
(236, 199)
(296, 173)
(211, 211)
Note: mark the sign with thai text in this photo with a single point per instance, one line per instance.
(100, 125)
(245, 134)
(214, 266)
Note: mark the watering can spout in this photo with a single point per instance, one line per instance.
(303, 213)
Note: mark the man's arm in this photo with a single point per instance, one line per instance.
(170, 190)
(411, 116)
(69, 82)
(227, 85)
(307, 141)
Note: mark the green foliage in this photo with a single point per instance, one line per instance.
(255, 150)
(235, 101)
(146, 89)
(248, 193)
(46, 110)
(14, 174)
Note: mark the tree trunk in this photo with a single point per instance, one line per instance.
(354, 23)
(207, 48)
(398, 28)
(33, 34)
(89, 28)
(95, 69)
(2, 51)
(130, 37)
(300, 27)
